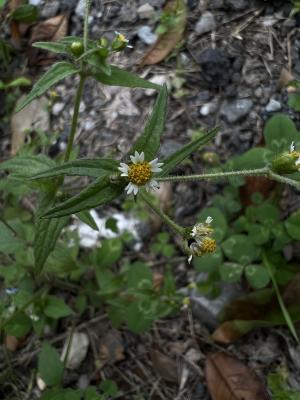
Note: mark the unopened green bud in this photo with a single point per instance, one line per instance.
(103, 52)
(211, 158)
(287, 162)
(77, 48)
(119, 43)
(103, 42)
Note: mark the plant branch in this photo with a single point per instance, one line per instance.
(283, 179)
(215, 175)
(75, 118)
(86, 24)
(160, 212)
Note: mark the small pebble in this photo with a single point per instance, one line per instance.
(273, 105)
(146, 35)
(57, 108)
(146, 11)
(206, 23)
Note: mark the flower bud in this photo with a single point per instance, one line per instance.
(77, 48)
(119, 43)
(287, 162)
(103, 42)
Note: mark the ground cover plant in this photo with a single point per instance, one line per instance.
(51, 281)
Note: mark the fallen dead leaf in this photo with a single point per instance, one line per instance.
(168, 40)
(111, 348)
(158, 280)
(11, 343)
(285, 78)
(229, 379)
(227, 333)
(165, 366)
(34, 116)
(51, 30)
(17, 29)
(164, 196)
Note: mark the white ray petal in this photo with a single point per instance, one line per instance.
(292, 147)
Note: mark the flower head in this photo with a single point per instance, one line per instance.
(201, 241)
(287, 162)
(204, 246)
(202, 229)
(120, 42)
(140, 173)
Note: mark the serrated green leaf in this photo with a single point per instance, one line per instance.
(56, 308)
(109, 253)
(19, 326)
(49, 365)
(27, 13)
(100, 63)
(86, 217)
(99, 192)
(82, 167)
(18, 82)
(46, 234)
(258, 157)
(149, 141)
(22, 167)
(54, 47)
(55, 73)
(120, 77)
(178, 156)
(9, 243)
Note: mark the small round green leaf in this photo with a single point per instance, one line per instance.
(257, 276)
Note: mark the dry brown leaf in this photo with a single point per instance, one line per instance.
(226, 333)
(229, 379)
(16, 28)
(11, 343)
(34, 116)
(51, 30)
(111, 348)
(168, 40)
(164, 196)
(285, 78)
(158, 280)
(165, 366)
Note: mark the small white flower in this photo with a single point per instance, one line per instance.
(209, 220)
(140, 173)
(122, 38)
(202, 229)
(292, 147)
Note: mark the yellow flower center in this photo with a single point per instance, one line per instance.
(208, 245)
(295, 154)
(140, 173)
(122, 38)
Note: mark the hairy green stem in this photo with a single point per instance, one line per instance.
(162, 215)
(74, 118)
(86, 24)
(212, 175)
(283, 179)
(283, 308)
